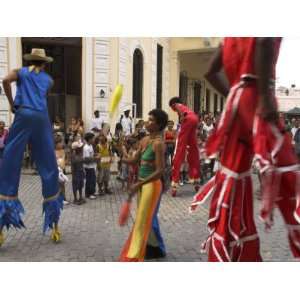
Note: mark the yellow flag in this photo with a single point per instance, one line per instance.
(115, 99)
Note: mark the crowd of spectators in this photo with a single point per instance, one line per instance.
(89, 152)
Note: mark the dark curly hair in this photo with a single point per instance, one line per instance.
(174, 100)
(161, 118)
(88, 136)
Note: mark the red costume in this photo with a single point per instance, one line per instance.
(241, 137)
(187, 137)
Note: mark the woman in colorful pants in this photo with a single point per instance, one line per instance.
(31, 125)
(249, 130)
(145, 240)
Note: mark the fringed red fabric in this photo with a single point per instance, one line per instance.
(232, 232)
(216, 140)
(240, 136)
(279, 168)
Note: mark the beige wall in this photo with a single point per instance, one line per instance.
(124, 67)
(191, 44)
(191, 55)
(4, 66)
(287, 103)
(195, 65)
(109, 61)
(10, 58)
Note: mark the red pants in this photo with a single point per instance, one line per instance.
(241, 136)
(187, 137)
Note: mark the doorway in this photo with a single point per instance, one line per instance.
(137, 84)
(64, 100)
(159, 76)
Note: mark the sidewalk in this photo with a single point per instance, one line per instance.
(90, 232)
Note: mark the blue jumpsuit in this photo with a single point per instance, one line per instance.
(31, 125)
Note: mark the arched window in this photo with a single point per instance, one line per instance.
(137, 84)
(197, 97)
(183, 86)
(159, 76)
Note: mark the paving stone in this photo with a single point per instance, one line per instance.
(90, 232)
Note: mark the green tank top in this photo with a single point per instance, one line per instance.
(148, 155)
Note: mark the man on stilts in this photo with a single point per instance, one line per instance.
(249, 130)
(187, 136)
(31, 125)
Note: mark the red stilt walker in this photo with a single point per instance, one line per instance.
(249, 130)
(187, 137)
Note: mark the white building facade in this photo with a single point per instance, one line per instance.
(86, 71)
(288, 98)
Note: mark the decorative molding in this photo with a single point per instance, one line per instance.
(136, 44)
(101, 76)
(123, 69)
(4, 62)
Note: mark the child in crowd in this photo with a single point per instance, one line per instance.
(117, 140)
(124, 167)
(60, 153)
(77, 169)
(170, 140)
(107, 133)
(61, 163)
(139, 129)
(90, 167)
(104, 152)
(132, 168)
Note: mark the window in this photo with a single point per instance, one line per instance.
(222, 103)
(137, 84)
(207, 100)
(215, 103)
(197, 95)
(183, 87)
(159, 74)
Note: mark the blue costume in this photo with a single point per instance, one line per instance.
(31, 125)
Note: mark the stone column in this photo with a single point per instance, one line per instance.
(174, 80)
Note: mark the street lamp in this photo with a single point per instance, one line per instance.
(102, 93)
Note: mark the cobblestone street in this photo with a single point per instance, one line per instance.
(91, 232)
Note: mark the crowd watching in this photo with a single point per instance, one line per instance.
(89, 152)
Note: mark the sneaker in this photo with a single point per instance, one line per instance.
(181, 183)
(82, 200)
(92, 197)
(66, 202)
(108, 191)
(101, 193)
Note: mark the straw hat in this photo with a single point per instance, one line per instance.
(38, 55)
